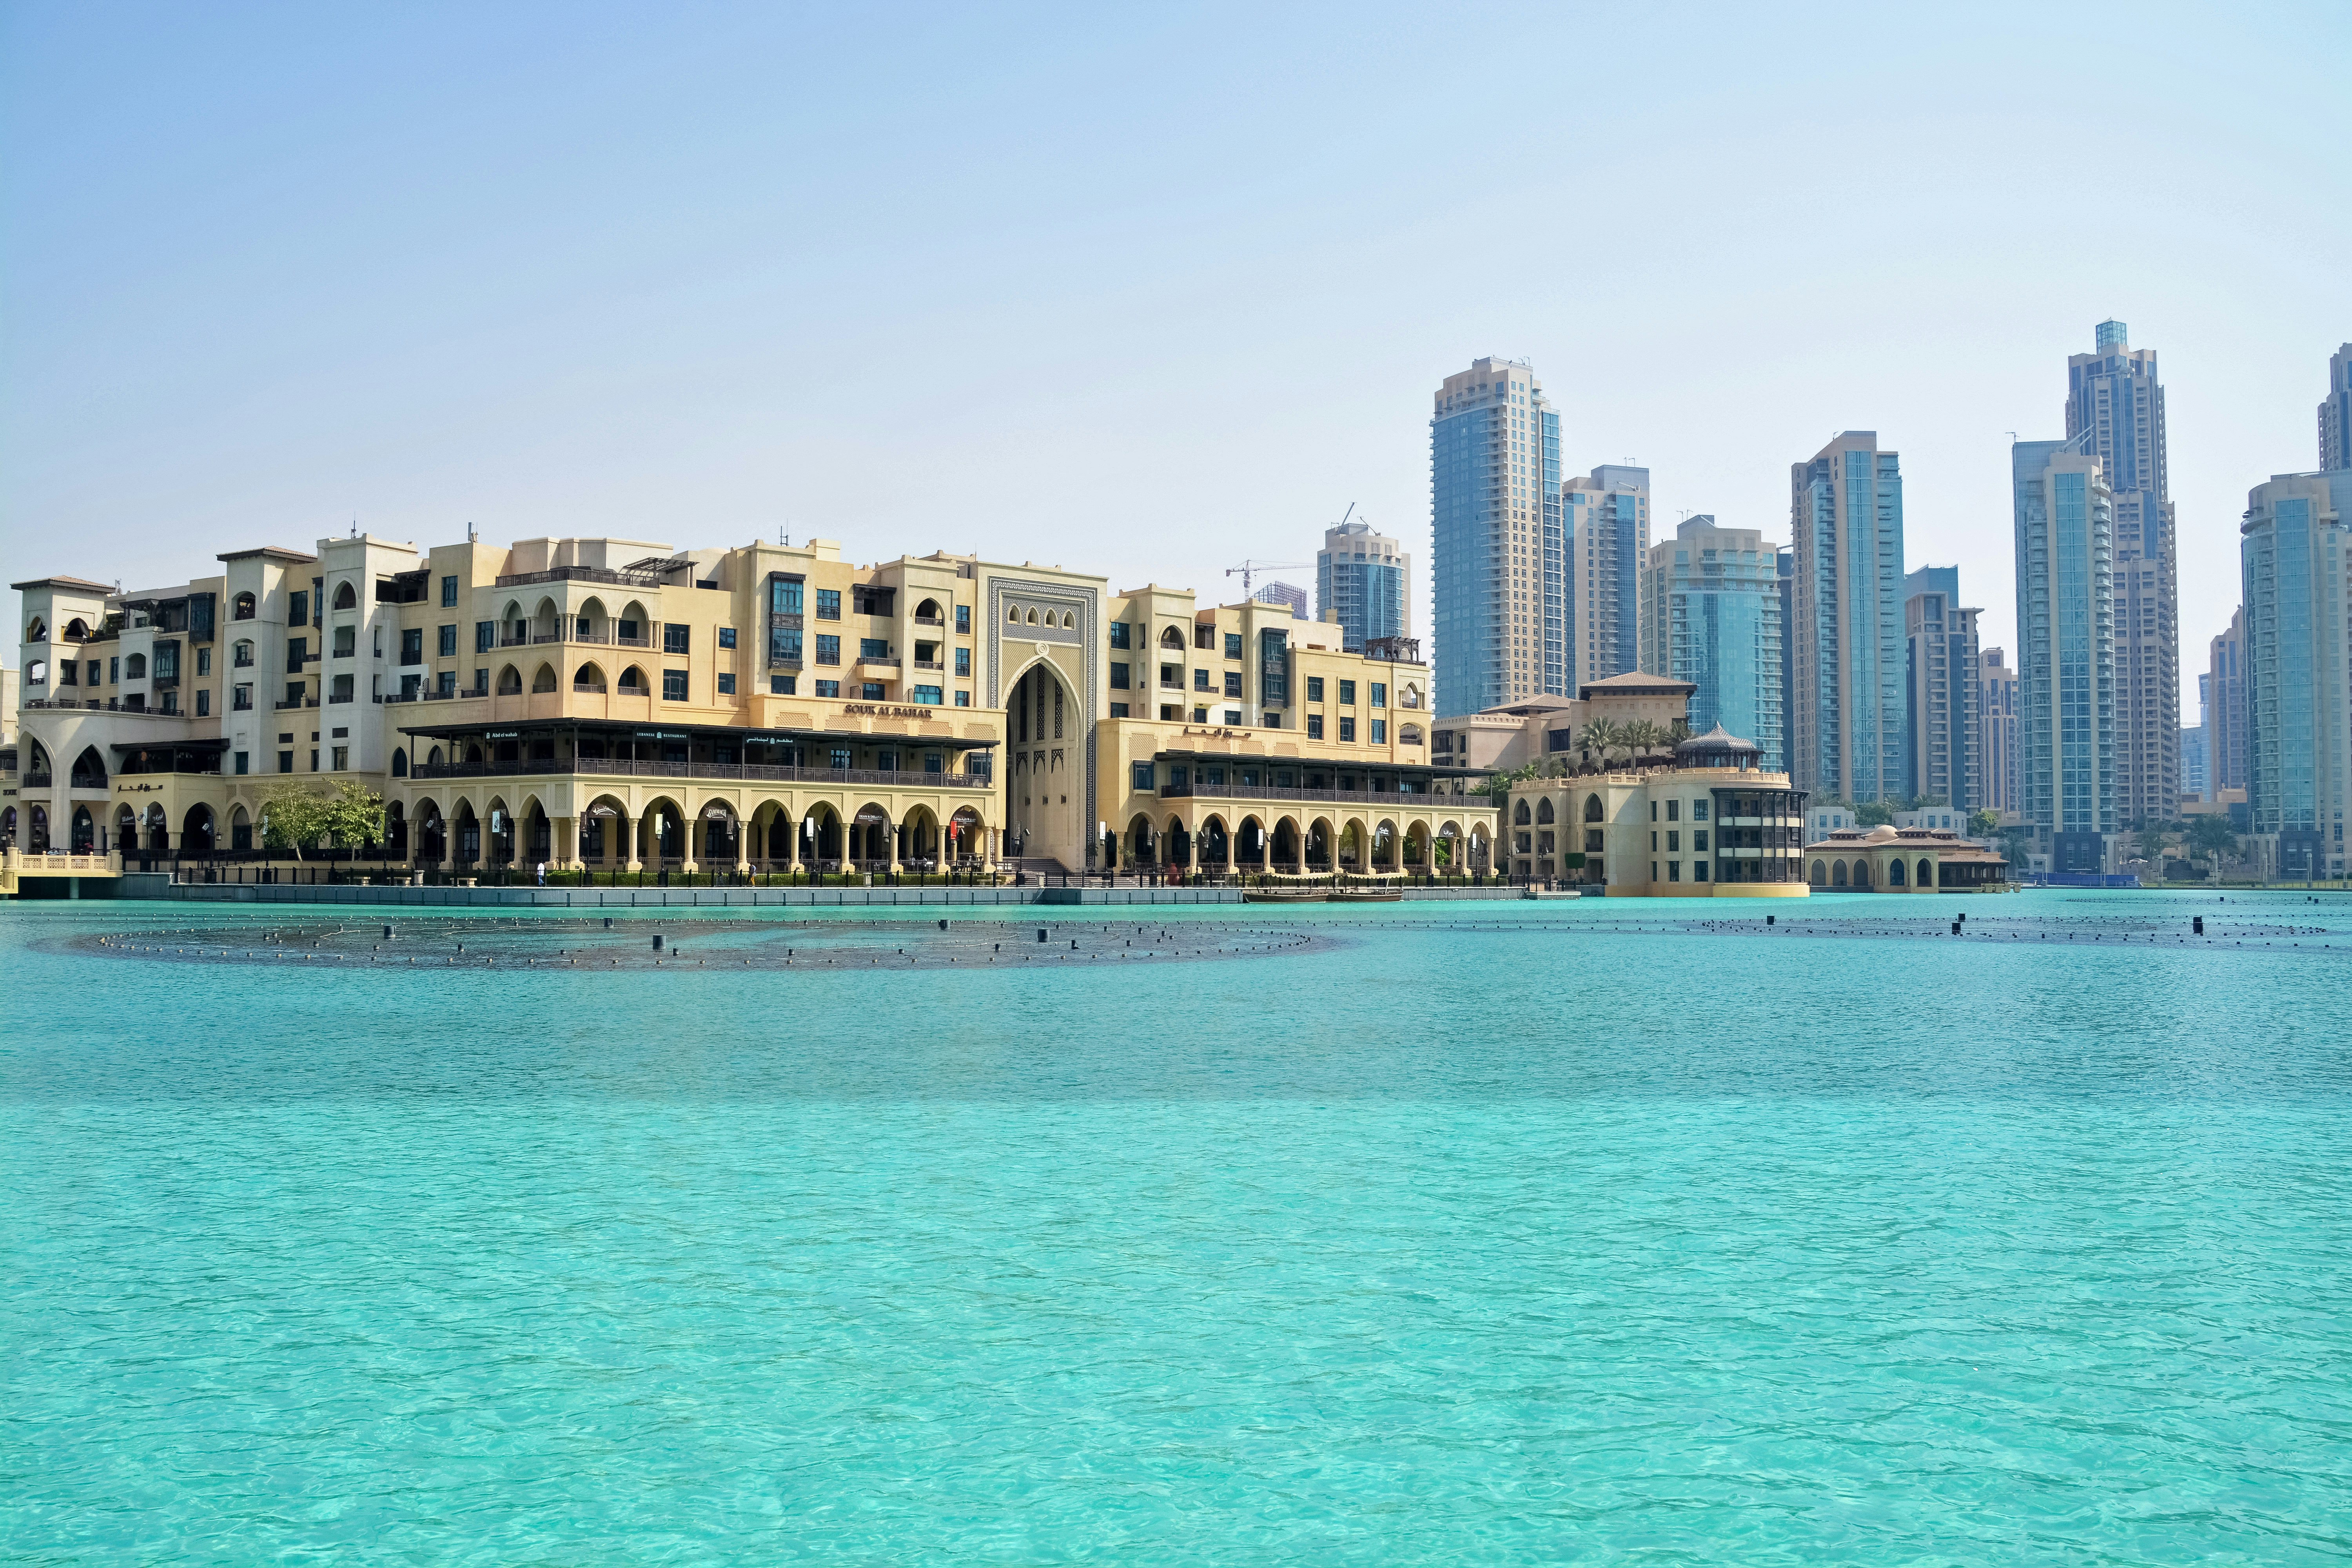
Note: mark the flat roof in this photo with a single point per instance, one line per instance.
(273, 551)
(63, 583)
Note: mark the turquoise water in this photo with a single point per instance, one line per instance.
(1537, 1238)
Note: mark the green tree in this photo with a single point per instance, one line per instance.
(1983, 824)
(2209, 837)
(1496, 786)
(1600, 736)
(2150, 840)
(2019, 841)
(1641, 736)
(1873, 814)
(296, 817)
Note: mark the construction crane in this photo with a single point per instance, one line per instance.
(1247, 568)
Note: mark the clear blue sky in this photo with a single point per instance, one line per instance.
(1143, 291)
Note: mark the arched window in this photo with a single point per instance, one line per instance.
(633, 681)
(346, 597)
(135, 667)
(1821, 874)
(1013, 614)
(399, 765)
(509, 682)
(1520, 815)
(544, 680)
(1862, 873)
(241, 607)
(1591, 809)
(1927, 874)
(928, 610)
(1409, 735)
(1894, 873)
(1069, 621)
(588, 678)
(241, 653)
(1543, 811)
(35, 631)
(1837, 875)
(1032, 615)
(433, 758)
(1171, 638)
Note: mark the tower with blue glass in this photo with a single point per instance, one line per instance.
(2064, 539)
(1845, 523)
(1498, 555)
(1711, 615)
(2293, 552)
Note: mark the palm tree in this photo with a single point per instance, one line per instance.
(1600, 736)
(1640, 735)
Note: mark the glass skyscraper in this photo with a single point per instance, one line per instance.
(2065, 654)
(1499, 554)
(1941, 690)
(2293, 550)
(1711, 615)
(2336, 413)
(1607, 518)
(2114, 408)
(2224, 692)
(1366, 579)
(1845, 521)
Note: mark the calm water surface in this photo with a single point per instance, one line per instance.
(1478, 1234)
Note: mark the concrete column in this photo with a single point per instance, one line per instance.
(564, 831)
(694, 827)
(628, 827)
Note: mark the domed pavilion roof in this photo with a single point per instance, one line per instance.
(1718, 748)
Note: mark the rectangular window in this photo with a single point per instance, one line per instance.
(829, 689)
(673, 685)
(1233, 645)
(1117, 710)
(298, 652)
(1592, 841)
(482, 682)
(1315, 726)
(297, 611)
(784, 596)
(1140, 780)
(1674, 867)
(1118, 635)
(726, 684)
(873, 647)
(626, 633)
(840, 757)
(448, 683)
(828, 648)
(1118, 673)
(1271, 720)
(963, 699)
(1199, 680)
(486, 636)
(1673, 840)
(964, 664)
(1172, 677)
(1232, 715)
(240, 762)
(783, 685)
(1200, 715)
(1379, 732)
(931, 695)
(1346, 728)
(872, 601)
(203, 702)
(1699, 811)
(1314, 688)
(727, 636)
(828, 604)
(1698, 839)
(1234, 684)
(784, 645)
(870, 691)
(341, 759)
(203, 661)
(447, 641)
(448, 593)
(1380, 694)
(963, 620)
(69, 672)
(94, 670)
(1674, 811)
(673, 637)
(284, 761)
(1698, 870)
(1348, 693)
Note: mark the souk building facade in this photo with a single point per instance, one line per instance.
(620, 705)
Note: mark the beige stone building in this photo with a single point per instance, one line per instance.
(1889, 859)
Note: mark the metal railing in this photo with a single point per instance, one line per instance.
(763, 772)
(1283, 791)
(580, 574)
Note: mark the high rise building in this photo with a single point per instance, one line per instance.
(1607, 516)
(2224, 690)
(2336, 413)
(1846, 519)
(2065, 654)
(1711, 615)
(1285, 593)
(2293, 548)
(2114, 405)
(1495, 533)
(1997, 732)
(1368, 580)
(2193, 758)
(1940, 690)
(1785, 564)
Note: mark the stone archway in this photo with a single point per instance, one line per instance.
(1047, 804)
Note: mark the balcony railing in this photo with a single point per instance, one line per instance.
(580, 574)
(622, 767)
(38, 780)
(931, 621)
(1277, 791)
(929, 663)
(93, 705)
(587, 689)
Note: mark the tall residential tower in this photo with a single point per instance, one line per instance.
(2293, 547)
(2336, 413)
(1711, 615)
(1608, 523)
(1846, 519)
(1366, 579)
(1941, 690)
(2066, 650)
(2115, 406)
(1495, 534)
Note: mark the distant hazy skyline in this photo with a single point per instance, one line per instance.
(1147, 293)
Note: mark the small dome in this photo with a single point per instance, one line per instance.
(1718, 748)
(1880, 834)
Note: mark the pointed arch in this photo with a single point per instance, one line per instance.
(1170, 638)
(589, 677)
(543, 680)
(509, 682)
(1544, 818)
(346, 596)
(1520, 815)
(632, 682)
